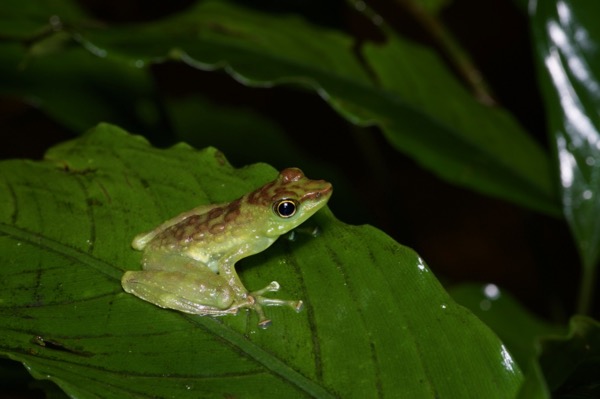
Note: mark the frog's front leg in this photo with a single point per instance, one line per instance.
(261, 301)
(254, 299)
(202, 292)
(274, 287)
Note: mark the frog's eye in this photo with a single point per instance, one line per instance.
(285, 208)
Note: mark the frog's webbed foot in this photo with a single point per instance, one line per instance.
(260, 300)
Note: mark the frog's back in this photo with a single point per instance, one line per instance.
(217, 226)
(247, 225)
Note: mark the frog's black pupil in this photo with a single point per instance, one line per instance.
(286, 208)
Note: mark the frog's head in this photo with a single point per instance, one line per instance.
(289, 200)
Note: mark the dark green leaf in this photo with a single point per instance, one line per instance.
(534, 386)
(566, 36)
(376, 322)
(433, 6)
(437, 122)
(41, 63)
(460, 139)
(233, 130)
(78, 89)
(26, 21)
(569, 366)
(400, 87)
(516, 327)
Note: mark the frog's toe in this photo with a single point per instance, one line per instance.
(296, 305)
(264, 323)
(272, 287)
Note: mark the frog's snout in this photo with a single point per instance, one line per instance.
(318, 190)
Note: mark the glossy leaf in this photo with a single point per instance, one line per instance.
(517, 328)
(463, 140)
(460, 139)
(567, 35)
(559, 363)
(376, 322)
(401, 87)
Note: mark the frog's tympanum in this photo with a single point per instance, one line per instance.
(189, 261)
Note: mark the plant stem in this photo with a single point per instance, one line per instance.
(586, 290)
(456, 55)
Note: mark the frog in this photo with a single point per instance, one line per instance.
(188, 262)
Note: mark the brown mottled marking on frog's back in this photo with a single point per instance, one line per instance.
(200, 227)
(260, 196)
(215, 213)
(217, 228)
(232, 211)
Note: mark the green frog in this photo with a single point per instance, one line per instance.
(189, 261)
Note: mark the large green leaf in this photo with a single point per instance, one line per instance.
(376, 322)
(567, 35)
(401, 87)
(40, 63)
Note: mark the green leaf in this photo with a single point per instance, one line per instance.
(376, 322)
(572, 364)
(433, 6)
(230, 129)
(517, 328)
(534, 386)
(559, 363)
(78, 89)
(400, 87)
(566, 37)
(464, 141)
(42, 64)
(569, 366)
(24, 21)
(453, 135)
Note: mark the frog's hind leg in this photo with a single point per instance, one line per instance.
(274, 287)
(296, 305)
(203, 293)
